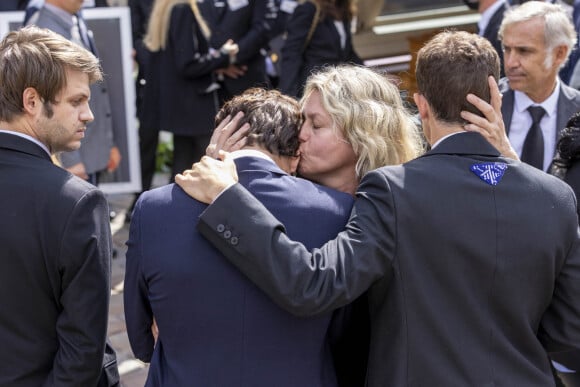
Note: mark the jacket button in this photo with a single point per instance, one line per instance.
(234, 241)
(227, 234)
(220, 228)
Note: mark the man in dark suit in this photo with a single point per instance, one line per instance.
(13, 5)
(148, 117)
(531, 67)
(488, 26)
(99, 154)
(471, 260)
(55, 238)
(249, 23)
(215, 327)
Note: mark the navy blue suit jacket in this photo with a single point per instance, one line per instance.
(216, 327)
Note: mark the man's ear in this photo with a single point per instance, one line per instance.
(31, 100)
(422, 106)
(559, 54)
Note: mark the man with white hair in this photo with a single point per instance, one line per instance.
(537, 38)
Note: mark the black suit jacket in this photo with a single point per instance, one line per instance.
(470, 283)
(184, 71)
(54, 271)
(323, 48)
(12, 5)
(140, 11)
(250, 27)
(491, 32)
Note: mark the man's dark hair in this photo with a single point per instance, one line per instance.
(275, 119)
(451, 65)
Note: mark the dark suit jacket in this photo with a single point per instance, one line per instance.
(99, 137)
(12, 5)
(470, 283)
(184, 72)
(323, 49)
(568, 104)
(54, 271)
(140, 11)
(249, 27)
(491, 33)
(216, 327)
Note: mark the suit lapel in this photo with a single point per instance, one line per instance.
(507, 109)
(568, 104)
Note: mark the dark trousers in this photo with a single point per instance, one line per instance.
(148, 141)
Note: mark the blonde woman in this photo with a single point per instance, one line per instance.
(355, 121)
(183, 66)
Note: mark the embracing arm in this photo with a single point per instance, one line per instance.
(301, 281)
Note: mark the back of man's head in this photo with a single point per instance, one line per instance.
(451, 65)
(39, 58)
(558, 27)
(275, 119)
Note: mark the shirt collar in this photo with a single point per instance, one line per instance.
(444, 138)
(522, 102)
(29, 138)
(250, 153)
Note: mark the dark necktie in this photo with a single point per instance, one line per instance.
(533, 151)
(80, 35)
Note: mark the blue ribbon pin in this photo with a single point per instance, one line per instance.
(491, 173)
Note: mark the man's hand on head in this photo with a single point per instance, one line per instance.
(208, 178)
(491, 125)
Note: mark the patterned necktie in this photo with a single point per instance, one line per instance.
(533, 151)
(75, 32)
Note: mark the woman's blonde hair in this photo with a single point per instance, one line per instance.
(158, 27)
(369, 111)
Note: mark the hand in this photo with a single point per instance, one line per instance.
(490, 126)
(226, 137)
(230, 48)
(232, 71)
(155, 330)
(114, 159)
(78, 170)
(208, 178)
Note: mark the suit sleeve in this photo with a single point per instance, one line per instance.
(260, 31)
(85, 266)
(297, 31)
(138, 313)
(191, 60)
(306, 283)
(560, 326)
